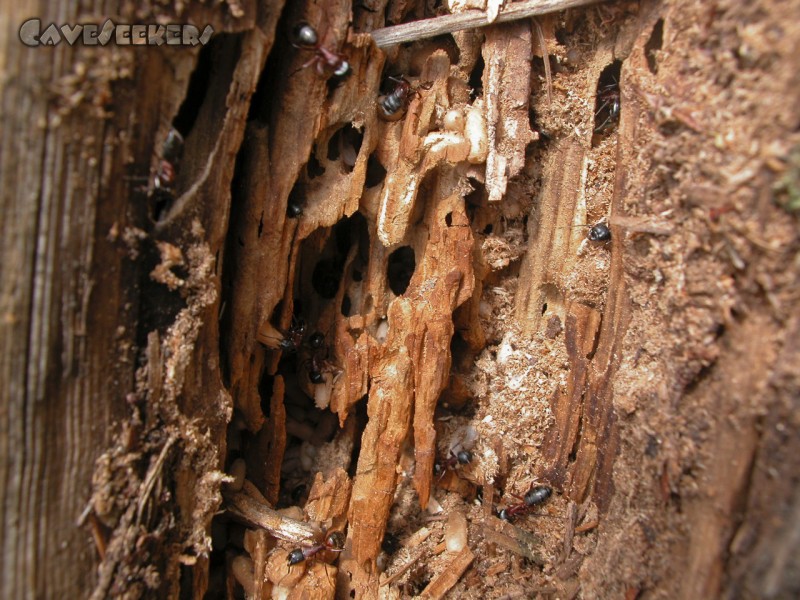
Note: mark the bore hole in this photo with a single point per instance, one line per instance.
(297, 199)
(400, 268)
(198, 86)
(376, 173)
(476, 79)
(326, 277)
(448, 219)
(544, 308)
(346, 306)
(345, 143)
(607, 101)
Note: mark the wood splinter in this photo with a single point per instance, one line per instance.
(251, 510)
(449, 576)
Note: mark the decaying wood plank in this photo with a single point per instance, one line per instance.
(507, 76)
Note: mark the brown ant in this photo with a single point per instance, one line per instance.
(334, 542)
(536, 495)
(326, 62)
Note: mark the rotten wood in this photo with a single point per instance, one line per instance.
(169, 323)
(513, 538)
(449, 576)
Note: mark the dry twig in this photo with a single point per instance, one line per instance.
(419, 30)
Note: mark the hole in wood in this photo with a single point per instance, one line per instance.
(326, 278)
(376, 172)
(345, 144)
(400, 269)
(476, 79)
(297, 200)
(607, 101)
(653, 45)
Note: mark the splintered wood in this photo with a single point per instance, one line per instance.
(449, 576)
(353, 264)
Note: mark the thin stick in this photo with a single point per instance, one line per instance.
(418, 30)
(546, 59)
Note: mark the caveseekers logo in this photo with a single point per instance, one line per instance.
(91, 34)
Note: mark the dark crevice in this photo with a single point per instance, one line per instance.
(607, 101)
(346, 306)
(296, 202)
(376, 172)
(653, 45)
(476, 79)
(345, 144)
(198, 87)
(400, 269)
(326, 278)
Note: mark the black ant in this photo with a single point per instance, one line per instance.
(599, 233)
(325, 61)
(171, 152)
(334, 542)
(607, 104)
(316, 362)
(392, 106)
(293, 209)
(293, 338)
(536, 495)
(462, 457)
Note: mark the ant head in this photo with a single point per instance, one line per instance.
(304, 36)
(316, 377)
(316, 341)
(335, 541)
(294, 210)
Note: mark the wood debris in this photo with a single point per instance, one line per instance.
(449, 576)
